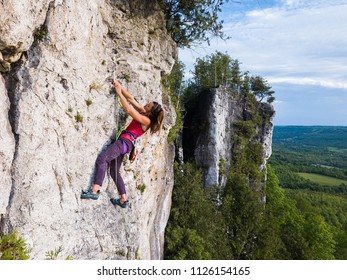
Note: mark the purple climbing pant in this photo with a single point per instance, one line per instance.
(112, 155)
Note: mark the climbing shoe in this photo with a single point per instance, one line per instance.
(116, 201)
(88, 194)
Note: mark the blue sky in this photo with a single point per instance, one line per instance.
(299, 47)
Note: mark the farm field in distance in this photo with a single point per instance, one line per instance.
(322, 179)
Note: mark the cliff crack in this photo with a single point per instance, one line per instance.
(60, 183)
(41, 34)
(11, 82)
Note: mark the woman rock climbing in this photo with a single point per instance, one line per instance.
(149, 117)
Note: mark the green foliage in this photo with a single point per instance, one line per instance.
(127, 78)
(253, 106)
(261, 89)
(312, 150)
(193, 216)
(287, 219)
(53, 254)
(297, 229)
(40, 33)
(78, 117)
(214, 70)
(242, 211)
(233, 224)
(141, 188)
(241, 206)
(89, 102)
(189, 21)
(247, 153)
(222, 167)
(121, 253)
(13, 247)
(173, 85)
(270, 245)
(235, 74)
(316, 150)
(174, 81)
(319, 237)
(220, 69)
(245, 129)
(329, 213)
(187, 244)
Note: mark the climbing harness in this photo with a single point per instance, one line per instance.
(134, 151)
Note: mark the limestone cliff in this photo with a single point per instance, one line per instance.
(210, 126)
(57, 58)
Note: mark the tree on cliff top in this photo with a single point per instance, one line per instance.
(261, 89)
(220, 69)
(189, 21)
(214, 70)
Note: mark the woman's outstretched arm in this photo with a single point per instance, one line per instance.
(130, 98)
(130, 110)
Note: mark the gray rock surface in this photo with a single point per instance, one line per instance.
(214, 146)
(57, 60)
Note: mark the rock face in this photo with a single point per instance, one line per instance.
(209, 129)
(57, 59)
(7, 147)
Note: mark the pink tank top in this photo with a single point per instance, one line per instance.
(135, 128)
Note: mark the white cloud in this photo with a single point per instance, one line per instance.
(307, 81)
(291, 2)
(291, 42)
(302, 42)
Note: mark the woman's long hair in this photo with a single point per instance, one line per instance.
(156, 115)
